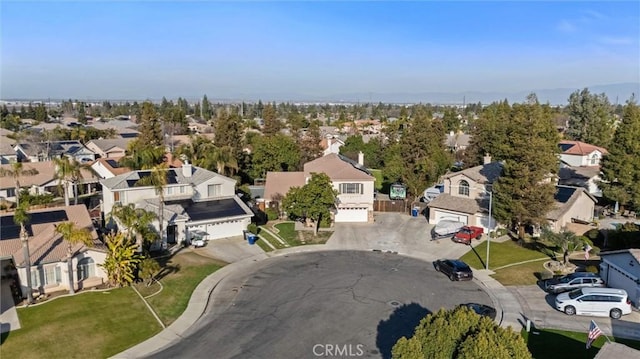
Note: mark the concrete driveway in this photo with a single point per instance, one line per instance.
(539, 307)
(229, 250)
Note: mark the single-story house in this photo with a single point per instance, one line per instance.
(621, 269)
(571, 204)
(45, 151)
(48, 252)
(109, 148)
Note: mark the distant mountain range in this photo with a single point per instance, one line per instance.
(619, 93)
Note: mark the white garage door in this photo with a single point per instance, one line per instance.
(619, 280)
(442, 215)
(352, 215)
(222, 229)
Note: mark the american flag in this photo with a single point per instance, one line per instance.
(586, 251)
(594, 333)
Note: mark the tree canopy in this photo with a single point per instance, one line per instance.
(460, 333)
(590, 118)
(312, 201)
(274, 153)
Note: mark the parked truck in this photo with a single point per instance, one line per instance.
(467, 233)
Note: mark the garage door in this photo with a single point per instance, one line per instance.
(352, 215)
(619, 280)
(442, 215)
(222, 229)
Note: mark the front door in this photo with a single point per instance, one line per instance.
(171, 234)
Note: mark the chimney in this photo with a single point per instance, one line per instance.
(361, 158)
(186, 169)
(487, 159)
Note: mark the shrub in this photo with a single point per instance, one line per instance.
(592, 269)
(253, 228)
(272, 214)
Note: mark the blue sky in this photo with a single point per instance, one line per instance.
(150, 49)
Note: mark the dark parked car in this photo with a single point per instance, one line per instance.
(454, 268)
(572, 281)
(481, 309)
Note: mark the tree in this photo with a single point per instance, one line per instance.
(460, 333)
(309, 144)
(82, 114)
(40, 113)
(590, 118)
(450, 120)
(150, 127)
(223, 158)
(490, 134)
(121, 260)
(67, 172)
(524, 193)
(158, 179)
(565, 241)
(311, 202)
(16, 171)
(205, 109)
(141, 156)
(272, 125)
(148, 269)
(137, 223)
(276, 153)
(621, 166)
(21, 218)
(73, 236)
(229, 130)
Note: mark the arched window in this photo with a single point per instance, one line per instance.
(86, 268)
(594, 159)
(463, 188)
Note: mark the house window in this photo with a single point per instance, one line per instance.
(52, 275)
(116, 197)
(351, 188)
(11, 192)
(35, 277)
(594, 159)
(86, 268)
(182, 190)
(169, 191)
(214, 190)
(463, 188)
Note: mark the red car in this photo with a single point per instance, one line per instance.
(467, 233)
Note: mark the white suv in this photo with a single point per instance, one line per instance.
(604, 302)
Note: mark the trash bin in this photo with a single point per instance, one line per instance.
(252, 238)
(415, 211)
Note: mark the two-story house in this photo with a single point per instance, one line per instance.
(580, 165)
(196, 200)
(355, 185)
(46, 151)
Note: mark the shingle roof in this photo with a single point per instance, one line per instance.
(337, 168)
(175, 175)
(46, 174)
(279, 183)
(565, 197)
(612, 350)
(579, 148)
(459, 204)
(106, 144)
(113, 166)
(45, 245)
(486, 173)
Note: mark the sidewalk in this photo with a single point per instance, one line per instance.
(9, 315)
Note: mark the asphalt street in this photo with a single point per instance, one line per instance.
(320, 304)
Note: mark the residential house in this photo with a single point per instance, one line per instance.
(355, 185)
(7, 153)
(580, 165)
(108, 167)
(46, 151)
(331, 144)
(48, 252)
(465, 197)
(621, 269)
(457, 141)
(109, 148)
(45, 181)
(196, 201)
(572, 204)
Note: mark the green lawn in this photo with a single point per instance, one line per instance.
(567, 345)
(184, 272)
(287, 231)
(501, 254)
(268, 237)
(91, 325)
(521, 274)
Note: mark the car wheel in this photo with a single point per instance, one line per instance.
(452, 277)
(615, 313)
(569, 310)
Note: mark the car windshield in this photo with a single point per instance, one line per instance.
(575, 294)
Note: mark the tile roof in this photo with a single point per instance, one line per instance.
(45, 245)
(279, 183)
(579, 148)
(128, 180)
(46, 174)
(565, 197)
(338, 168)
(486, 173)
(459, 204)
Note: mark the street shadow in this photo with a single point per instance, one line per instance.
(401, 323)
(551, 300)
(6, 329)
(484, 265)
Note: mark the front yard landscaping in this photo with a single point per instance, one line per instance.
(550, 343)
(102, 324)
(286, 231)
(500, 254)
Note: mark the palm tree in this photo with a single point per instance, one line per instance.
(148, 268)
(73, 236)
(21, 218)
(135, 220)
(121, 260)
(67, 172)
(158, 179)
(224, 158)
(16, 171)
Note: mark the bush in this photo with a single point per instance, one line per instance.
(253, 228)
(272, 214)
(592, 269)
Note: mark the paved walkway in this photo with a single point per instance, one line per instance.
(8, 315)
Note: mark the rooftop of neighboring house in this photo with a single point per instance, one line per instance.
(459, 204)
(279, 183)
(45, 245)
(633, 252)
(46, 173)
(108, 143)
(6, 147)
(564, 198)
(338, 168)
(188, 210)
(579, 148)
(174, 176)
(486, 173)
(581, 172)
(459, 139)
(53, 147)
(112, 165)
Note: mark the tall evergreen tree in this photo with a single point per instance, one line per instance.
(621, 167)
(490, 134)
(40, 113)
(82, 113)
(150, 126)
(524, 193)
(590, 118)
(271, 123)
(276, 153)
(206, 109)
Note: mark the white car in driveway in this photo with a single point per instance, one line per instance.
(601, 302)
